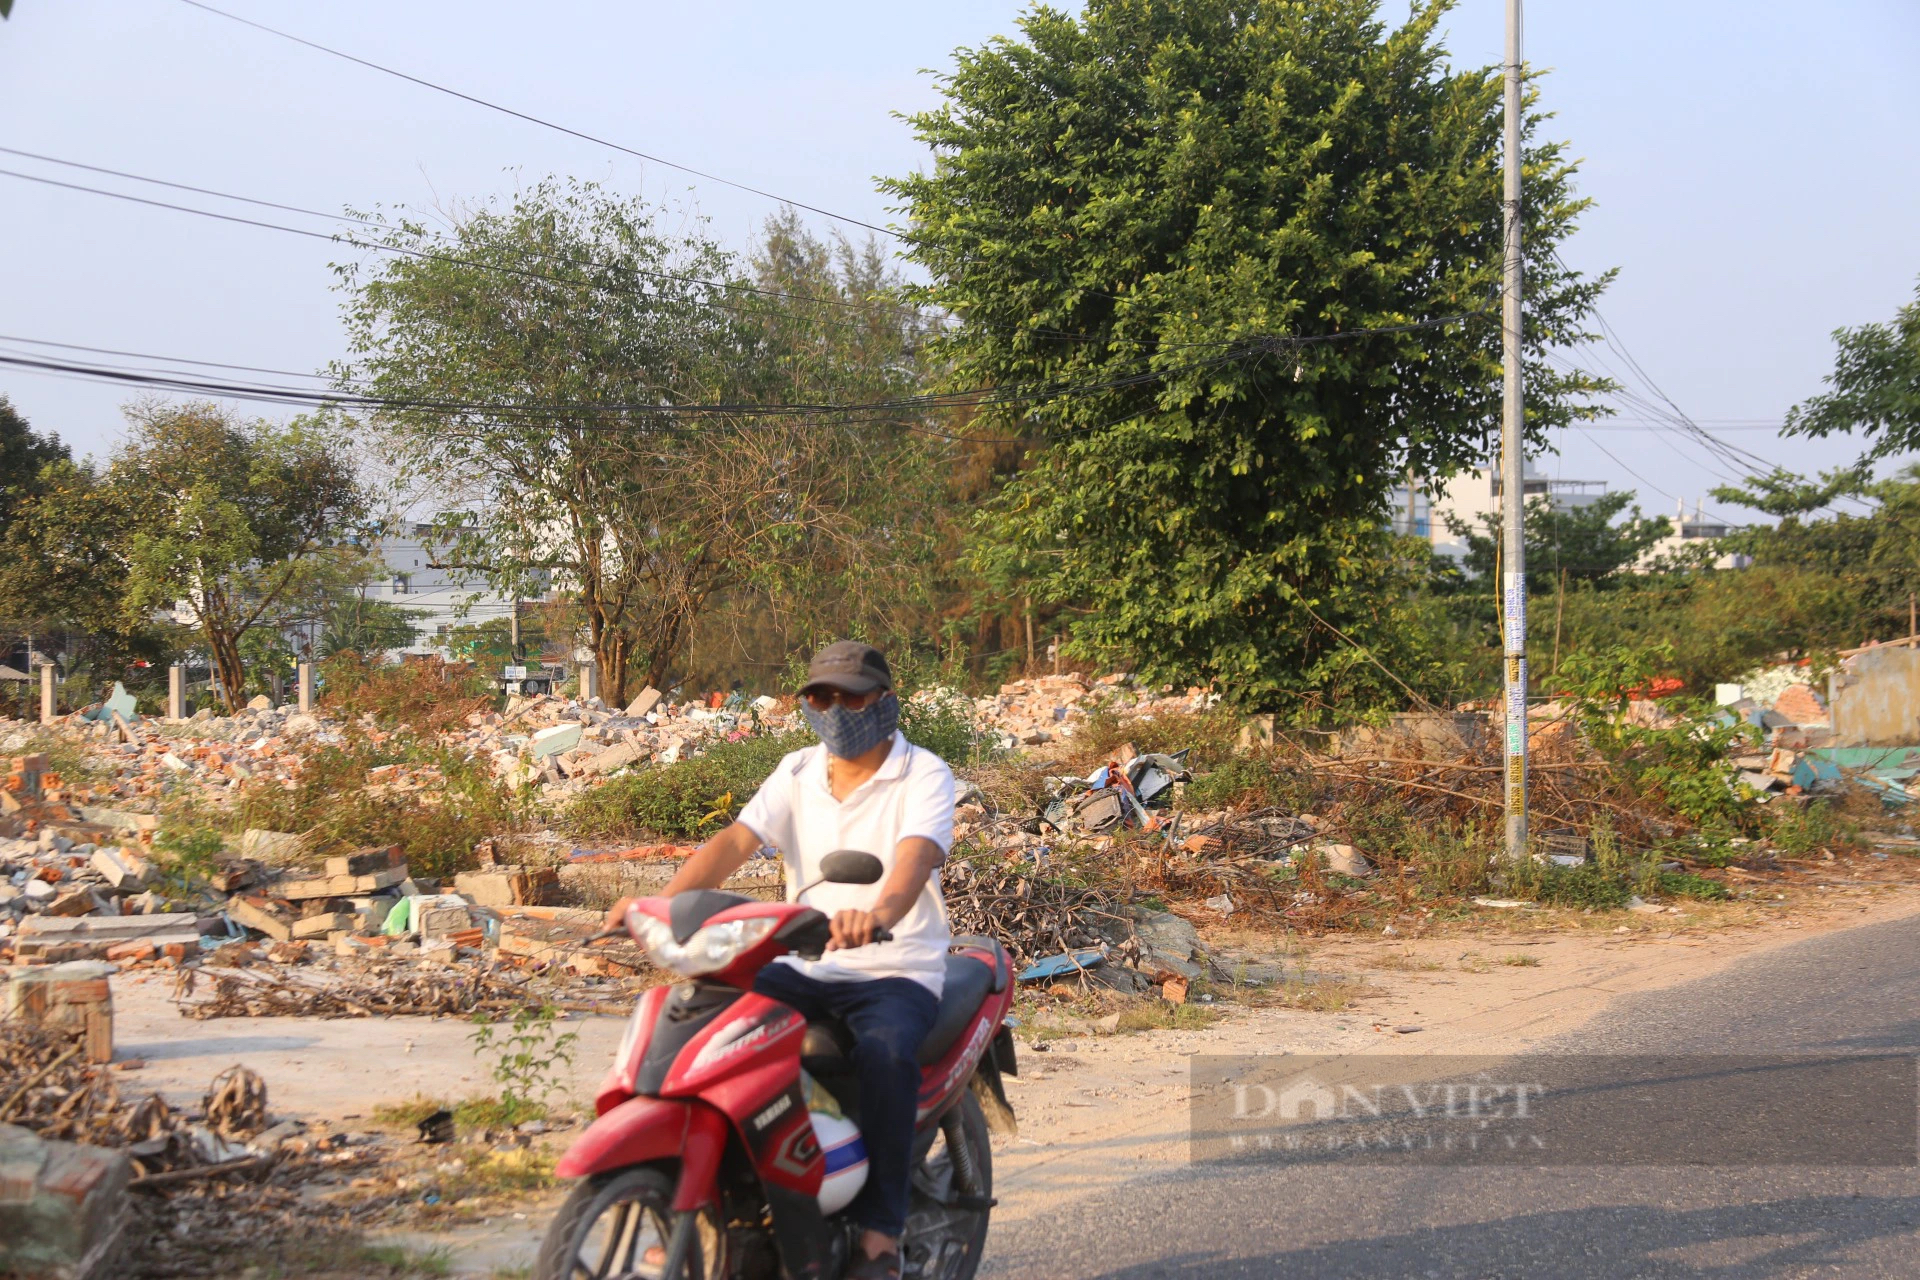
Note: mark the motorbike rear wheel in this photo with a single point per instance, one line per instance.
(618, 1225)
(952, 1198)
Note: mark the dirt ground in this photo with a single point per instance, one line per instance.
(1094, 1109)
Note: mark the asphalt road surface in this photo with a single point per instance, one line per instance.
(1856, 991)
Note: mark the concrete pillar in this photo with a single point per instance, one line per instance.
(589, 680)
(46, 694)
(176, 692)
(306, 687)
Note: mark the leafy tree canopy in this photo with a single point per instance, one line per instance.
(1579, 544)
(1195, 206)
(558, 383)
(1874, 387)
(23, 453)
(240, 523)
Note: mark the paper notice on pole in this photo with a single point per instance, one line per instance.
(1517, 691)
(1514, 611)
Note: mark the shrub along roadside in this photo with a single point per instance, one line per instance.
(436, 827)
(690, 799)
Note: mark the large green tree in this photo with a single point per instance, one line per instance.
(232, 523)
(24, 452)
(1874, 387)
(1287, 218)
(571, 379)
(63, 568)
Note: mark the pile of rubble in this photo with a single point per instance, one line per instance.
(1047, 709)
(567, 745)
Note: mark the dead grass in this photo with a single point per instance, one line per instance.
(1403, 961)
(1321, 994)
(468, 1114)
(1521, 960)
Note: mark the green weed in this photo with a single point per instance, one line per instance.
(1798, 830)
(1684, 884)
(185, 860)
(1451, 861)
(526, 1058)
(687, 799)
(402, 1261)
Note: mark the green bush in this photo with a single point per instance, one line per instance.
(943, 723)
(1684, 884)
(1246, 782)
(1798, 830)
(436, 828)
(690, 799)
(1451, 861)
(1686, 766)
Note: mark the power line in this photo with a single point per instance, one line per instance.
(342, 237)
(967, 398)
(867, 306)
(169, 380)
(545, 124)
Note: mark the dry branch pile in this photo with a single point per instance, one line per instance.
(382, 991)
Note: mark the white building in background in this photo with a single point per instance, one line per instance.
(445, 598)
(1471, 497)
(1692, 531)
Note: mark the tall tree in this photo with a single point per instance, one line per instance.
(235, 523)
(24, 452)
(574, 382)
(63, 567)
(1262, 243)
(1874, 387)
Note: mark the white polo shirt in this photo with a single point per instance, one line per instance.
(911, 794)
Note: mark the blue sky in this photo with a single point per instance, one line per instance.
(1756, 166)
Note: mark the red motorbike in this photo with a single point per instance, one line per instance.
(727, 1141)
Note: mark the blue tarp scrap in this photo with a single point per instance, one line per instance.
(1886, 770)
(1063, 965)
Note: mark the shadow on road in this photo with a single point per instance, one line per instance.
(1782, 1237)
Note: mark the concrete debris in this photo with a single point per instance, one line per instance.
(1344, 859)
(1050, 708)
(64, 1210)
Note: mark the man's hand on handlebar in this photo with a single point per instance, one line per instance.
(856, 929)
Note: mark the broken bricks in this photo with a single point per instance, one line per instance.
(73, 997)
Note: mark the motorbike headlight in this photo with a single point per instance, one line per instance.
(711, 948)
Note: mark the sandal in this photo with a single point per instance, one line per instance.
(884, 1267)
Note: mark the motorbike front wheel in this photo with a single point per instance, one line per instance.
(621, 1224)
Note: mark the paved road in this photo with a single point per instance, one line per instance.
(1853, 991)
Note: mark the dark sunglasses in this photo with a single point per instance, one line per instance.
(823, 698)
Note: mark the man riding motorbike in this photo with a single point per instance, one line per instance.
(864, 786)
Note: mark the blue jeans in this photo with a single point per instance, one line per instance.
(888, 1017)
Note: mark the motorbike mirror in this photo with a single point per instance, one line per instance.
(850, 866)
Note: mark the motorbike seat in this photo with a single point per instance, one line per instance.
(967, 983)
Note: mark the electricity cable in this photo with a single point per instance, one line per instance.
(536, 120)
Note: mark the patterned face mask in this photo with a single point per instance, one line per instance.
(854, 733)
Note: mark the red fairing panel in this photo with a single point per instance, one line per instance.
(636, 1131)
(943, 1081)
(754, 1030)
(618, 1085)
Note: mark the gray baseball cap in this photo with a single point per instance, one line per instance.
(850, 666)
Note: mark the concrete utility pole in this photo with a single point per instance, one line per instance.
(47, 677)
(1513, 495)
